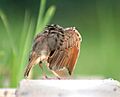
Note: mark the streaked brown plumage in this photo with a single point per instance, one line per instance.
(58, 46)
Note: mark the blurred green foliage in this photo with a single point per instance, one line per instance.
(15, 50)
(97, 20)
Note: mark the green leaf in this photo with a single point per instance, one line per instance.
(40, 15)
(7, 27)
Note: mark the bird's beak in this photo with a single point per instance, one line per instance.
(30, 65)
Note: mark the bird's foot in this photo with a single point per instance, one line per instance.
(44, 77)
(59, 78)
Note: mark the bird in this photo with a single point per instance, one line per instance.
(57, 46)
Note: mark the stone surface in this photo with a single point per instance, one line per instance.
(7, 92)
(69, 88)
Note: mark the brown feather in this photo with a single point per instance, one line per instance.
(67, 55)
(72, 60)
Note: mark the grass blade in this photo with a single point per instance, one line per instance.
(40, 15)
(25, 29)
(6, 24)
(48, 16)
(26, 48)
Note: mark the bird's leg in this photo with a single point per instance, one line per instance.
(44, 74)
(58, 77)
(61, 74)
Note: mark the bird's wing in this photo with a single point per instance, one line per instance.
(67, 54)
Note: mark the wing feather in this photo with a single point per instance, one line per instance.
(67, 53)
(72, 60)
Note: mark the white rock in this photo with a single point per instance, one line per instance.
(69, 88)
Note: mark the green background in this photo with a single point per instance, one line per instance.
(97, 20)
